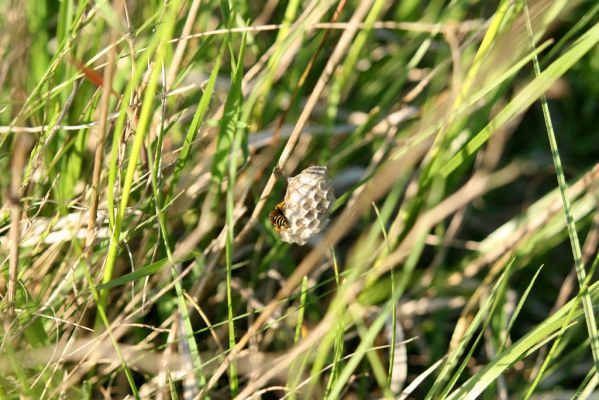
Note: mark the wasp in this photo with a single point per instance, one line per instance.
(277, 217)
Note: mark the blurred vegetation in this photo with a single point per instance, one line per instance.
(141, 143)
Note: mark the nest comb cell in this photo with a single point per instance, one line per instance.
(305, 210)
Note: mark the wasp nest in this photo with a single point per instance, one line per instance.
(307, 205)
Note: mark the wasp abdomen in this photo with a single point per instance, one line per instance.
(277, 217)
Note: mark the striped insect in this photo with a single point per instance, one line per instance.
(277, 217)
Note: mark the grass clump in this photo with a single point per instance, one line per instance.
(142, 144)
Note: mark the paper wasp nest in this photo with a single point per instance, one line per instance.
(307, 205)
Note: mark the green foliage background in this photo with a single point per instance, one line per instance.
(141, 143)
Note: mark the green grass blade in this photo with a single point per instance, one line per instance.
(230, 144)
(339, 336)
(198, 118)
(474, 386)
(519, 308)
(189, 339)
(164, 35)
(572, 233)
(526, 97)
(147, 270)
(482, 318)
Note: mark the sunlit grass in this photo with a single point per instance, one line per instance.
(141, 143)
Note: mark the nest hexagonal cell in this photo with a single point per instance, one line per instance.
(308, 202)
